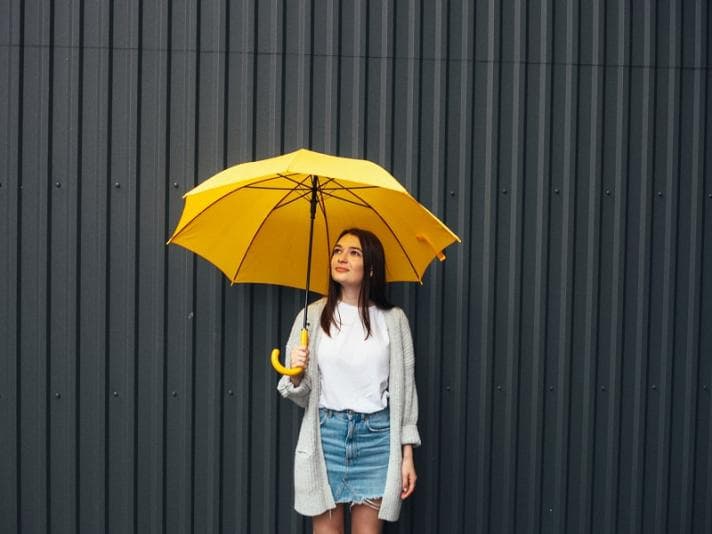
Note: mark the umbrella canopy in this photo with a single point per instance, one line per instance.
(253, 220)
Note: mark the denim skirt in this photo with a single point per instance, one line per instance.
(356, 449)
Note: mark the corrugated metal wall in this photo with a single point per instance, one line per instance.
(564, 350)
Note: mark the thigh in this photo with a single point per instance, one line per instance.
(364, 518)
(330, 522)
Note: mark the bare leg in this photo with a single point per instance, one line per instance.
(330, 522)
(364, 518)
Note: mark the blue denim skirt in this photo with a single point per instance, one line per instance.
(356, 448)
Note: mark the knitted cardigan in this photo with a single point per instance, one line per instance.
(312, 494)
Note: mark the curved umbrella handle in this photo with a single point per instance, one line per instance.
(287, 371)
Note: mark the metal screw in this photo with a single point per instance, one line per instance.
(58, 395)
(504, 191)
(174, 394)
(58, 184)
(447, 388)
(499, 388)
(175, 184)
(230, 392)
(660, 193)
(116, 393)
(551, 388)
(117, 185)
(608, 192)
(603, 388)
(452, 193)
(556, 190)
(654, 386)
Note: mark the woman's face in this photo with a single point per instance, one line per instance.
(347, 262)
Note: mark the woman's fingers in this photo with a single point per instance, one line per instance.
(300, 357)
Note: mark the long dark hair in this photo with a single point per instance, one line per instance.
(373, 285)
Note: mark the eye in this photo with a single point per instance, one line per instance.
(356, 253)
(337, 250)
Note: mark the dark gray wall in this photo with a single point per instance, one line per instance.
(564, 351)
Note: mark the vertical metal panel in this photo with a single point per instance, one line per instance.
(63, 282)
(11, 63)
(563, 367)
(93, 268)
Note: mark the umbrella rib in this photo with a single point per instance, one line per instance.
(215, 201)
(257, 231)
(322, 206)
(367, 205)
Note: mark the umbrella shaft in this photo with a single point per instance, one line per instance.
(312, 214)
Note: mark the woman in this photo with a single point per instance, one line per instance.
(359, 428)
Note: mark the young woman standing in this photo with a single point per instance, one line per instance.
(358, 390)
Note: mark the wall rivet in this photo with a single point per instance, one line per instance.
(654, 386)
(660, 193)
(116, 393)
(603, 388)
(556, 190)
(608, 192)
(117, 185)
(551, 388)
(500, 388)
(230, 392)
(58, 395)
(58, 184)
(174, 394)
(452, 193)
(175, 184)
(504, 191)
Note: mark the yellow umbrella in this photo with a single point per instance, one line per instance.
(275, 220)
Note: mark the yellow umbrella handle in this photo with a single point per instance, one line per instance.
(281, 369)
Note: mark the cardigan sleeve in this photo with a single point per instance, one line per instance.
(297, 394)
(409, 430)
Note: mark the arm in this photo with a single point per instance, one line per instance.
(409, 431)
(408, 474)
(409, 428)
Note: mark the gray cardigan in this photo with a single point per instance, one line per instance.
(312, 495)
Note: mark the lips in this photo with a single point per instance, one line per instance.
(340, 269)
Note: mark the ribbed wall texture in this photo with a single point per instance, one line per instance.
(564, 351)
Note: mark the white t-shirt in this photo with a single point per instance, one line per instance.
(354, 370)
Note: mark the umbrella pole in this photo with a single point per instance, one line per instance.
(304, 334)
(313, 204)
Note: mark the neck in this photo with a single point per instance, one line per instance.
(349, 295)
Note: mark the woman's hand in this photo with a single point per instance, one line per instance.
(408, 472)
(299, 358)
